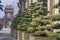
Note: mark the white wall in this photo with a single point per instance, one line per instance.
(34, 1)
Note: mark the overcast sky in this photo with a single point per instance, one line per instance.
(9, 2)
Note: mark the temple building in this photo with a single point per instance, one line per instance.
(8, 15)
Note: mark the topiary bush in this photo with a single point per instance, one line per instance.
(15, 21)
(56, 26)
(58, 36)
(41, 33)
(37, 33)
(29, 20)
(30, 29)
(51, 34)
(57, 6)
(45, 22)
(38, 28)
(56, 17)
(22, 27)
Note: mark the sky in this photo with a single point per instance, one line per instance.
(9, 2)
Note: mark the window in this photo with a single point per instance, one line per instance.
(44, 3)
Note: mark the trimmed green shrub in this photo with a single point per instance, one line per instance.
(37, 20)
(37, 33)
(38, 7)
(15, 21)
(56, 17)
(38, 28)
(51, 34)
(45, 22)
(58, 36)
(29, 20)
(33, 24)
(30, 29)
(57, 5)
(35, 15)
(22, 26)
(43, 28)
(56, 26)
(43, 33)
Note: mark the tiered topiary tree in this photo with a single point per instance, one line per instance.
(15, 21)
(56, 17)
(31, 20)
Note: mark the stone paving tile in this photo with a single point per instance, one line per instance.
(5, 30)
(5, 34)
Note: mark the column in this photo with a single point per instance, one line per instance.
(51, 7)
(48, 5)
(29, 2)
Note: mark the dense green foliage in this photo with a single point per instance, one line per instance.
(15, 21)
(55, 17)
(56, 26)
(58, 36)
(57, 5)
(30, 21)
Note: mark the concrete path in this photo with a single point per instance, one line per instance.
(5, 34)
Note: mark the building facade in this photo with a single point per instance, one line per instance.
(23, 4)
(1, 23)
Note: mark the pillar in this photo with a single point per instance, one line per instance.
(51, 7)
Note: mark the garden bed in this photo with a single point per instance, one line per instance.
(23, 35)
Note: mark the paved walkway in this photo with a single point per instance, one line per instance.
(5, 34)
